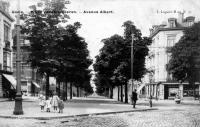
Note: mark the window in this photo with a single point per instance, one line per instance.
(172, 24)
(190, 23)
(189, 91)
(171, 40)
(6, 32)
(7, 60)
(168, 57)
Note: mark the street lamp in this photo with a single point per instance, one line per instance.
(18, 100)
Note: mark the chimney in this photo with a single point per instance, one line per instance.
(180, 17)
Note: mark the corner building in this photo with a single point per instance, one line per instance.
(160, 84)
(7, 81)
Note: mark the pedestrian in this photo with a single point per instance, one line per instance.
(41, 102)
(55, 101)
(150, 101)
(60, 106)
(48, 104)
(134, 98)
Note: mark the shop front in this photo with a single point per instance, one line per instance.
(171, 90)
(191, 91)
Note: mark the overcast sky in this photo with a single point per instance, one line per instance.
(144, 14)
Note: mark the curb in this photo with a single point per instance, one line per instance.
(81, 115)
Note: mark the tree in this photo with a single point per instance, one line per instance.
(113, 64)
(140, 52)
(41, 28)
(73, 56)
(106, 62)
(184, 62)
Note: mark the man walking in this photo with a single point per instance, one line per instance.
(134, 98)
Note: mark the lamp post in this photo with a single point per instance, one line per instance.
(18, 100)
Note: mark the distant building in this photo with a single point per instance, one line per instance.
(7, 81)
(160, 84)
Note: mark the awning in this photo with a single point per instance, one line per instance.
(140, 87)
(34, 83)
(11, 79)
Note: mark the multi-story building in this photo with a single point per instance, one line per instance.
(161, 84)
(31, 81)
(7, 81)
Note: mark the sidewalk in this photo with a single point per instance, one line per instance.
(73, 108)
(88, 106)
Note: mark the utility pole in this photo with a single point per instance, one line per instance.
(18, 100)
(132, 58)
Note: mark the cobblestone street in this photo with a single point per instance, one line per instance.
(188, 117)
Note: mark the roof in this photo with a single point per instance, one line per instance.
(166, 29)
(7, 15)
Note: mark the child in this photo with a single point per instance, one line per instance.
(48, 104)
(42, 102)
(60, 106)
(55, 101)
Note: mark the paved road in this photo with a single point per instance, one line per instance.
(165, 118)
(169, 114)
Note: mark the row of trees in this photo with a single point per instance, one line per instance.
(56, 50)
(113, 64)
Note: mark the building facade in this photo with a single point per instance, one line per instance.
(7, 81)
(31, 81)
(160, 84)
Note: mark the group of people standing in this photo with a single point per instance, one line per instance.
(54, 102)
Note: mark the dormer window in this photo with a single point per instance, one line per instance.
(172, 22)
(190, 21)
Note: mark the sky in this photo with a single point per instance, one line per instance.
(144, 14)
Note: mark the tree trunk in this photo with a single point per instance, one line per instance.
(80, 92)
(63, 92)
(66, 88)
(47, 86)
(118, 92)
(77, 91)
(108, 92)
(193, 85)
(111, 92)
(70, 90)
(126, 93)
(58, 90)
(121, 93)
